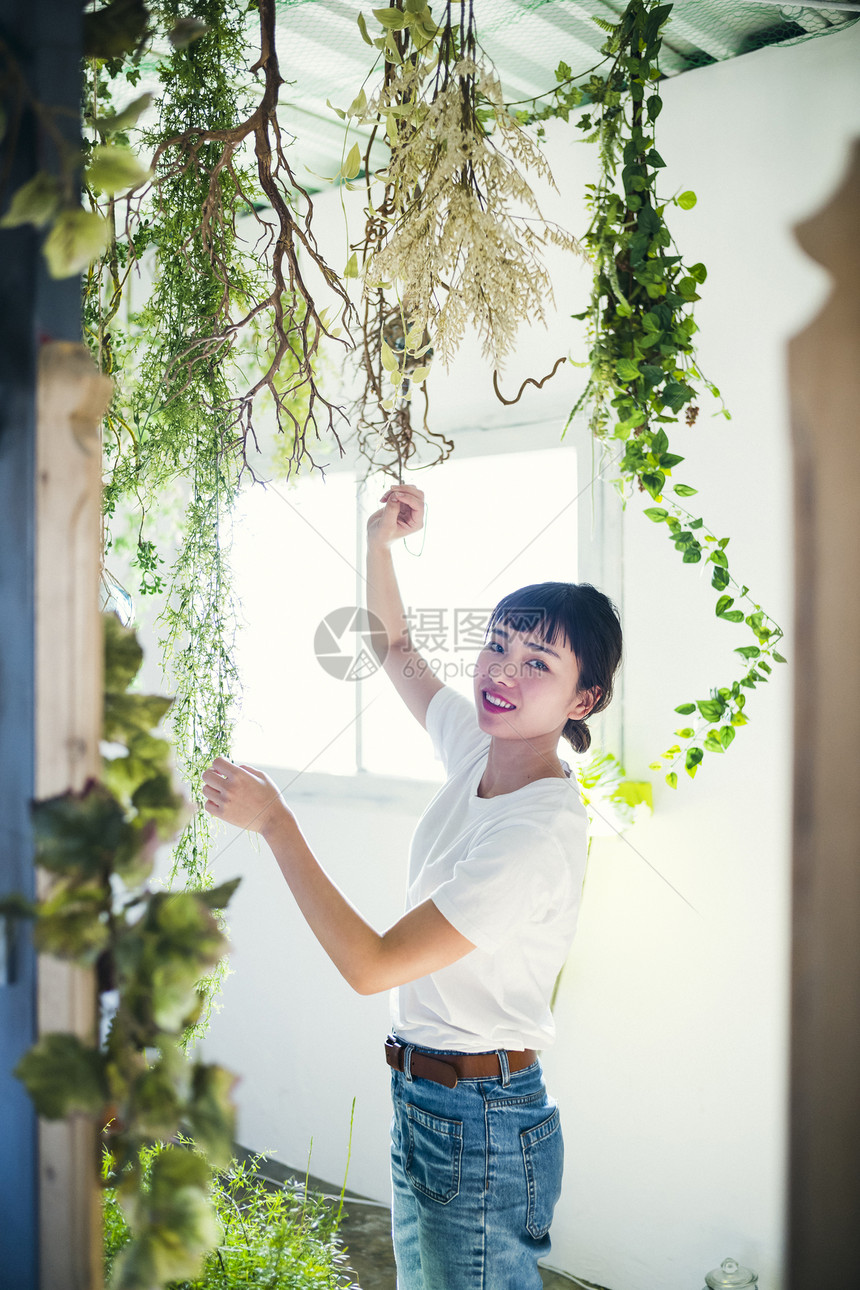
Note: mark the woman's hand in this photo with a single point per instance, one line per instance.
(243, 796)
(402, 513)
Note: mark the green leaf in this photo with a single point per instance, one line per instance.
(218, 897)
(712, 742)
(654, 106)
(211, 1115)
(676, 393)
(692, 760)
(700, 273)
(653, 481)
(777, 658)
(63, 1075)
(685, 709)
(123, 655)
(711, 709)
(686, 200)
(351, 270)
(72, 921)
(686, 732)
(362, 27)
(155, 1106)
(185, 31)
(684, 490)
(727, 734)
(748, 651)
(114, 122)
(656, 513)
(174, 1223)
(627, 370)
(77, 238)
(358, 106)
(391, 19)
(114, 168)
(76, 834)
(127, 713)
(672, 779)
(352, 165)
(389, 361)
(115, 29)
(35, 202)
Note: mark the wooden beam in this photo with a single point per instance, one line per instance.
(72, 398)
(824, 383)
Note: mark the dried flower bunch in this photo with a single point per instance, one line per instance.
(454, 240)
(465, 245)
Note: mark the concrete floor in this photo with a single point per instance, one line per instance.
(366, 1234)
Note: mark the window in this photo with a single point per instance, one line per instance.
(496, 520)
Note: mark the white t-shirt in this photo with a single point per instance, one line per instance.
(505, 871)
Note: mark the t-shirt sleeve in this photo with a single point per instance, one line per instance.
(452, 725)
(513, 876)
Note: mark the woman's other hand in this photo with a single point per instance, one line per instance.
(243, 796)
(402, 513)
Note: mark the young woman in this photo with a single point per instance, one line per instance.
(495, 875)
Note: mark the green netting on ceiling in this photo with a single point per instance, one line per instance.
(324, 57)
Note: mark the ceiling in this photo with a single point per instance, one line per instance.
(323, 56)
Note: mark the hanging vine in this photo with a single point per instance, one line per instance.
(227, 337)
(643, 365)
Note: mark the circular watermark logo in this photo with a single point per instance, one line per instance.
(350, 643)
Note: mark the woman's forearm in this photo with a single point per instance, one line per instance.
(421, 941)
(383, 596)
(349, 941)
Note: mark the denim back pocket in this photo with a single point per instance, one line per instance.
(543, 1154)
(434, 1155)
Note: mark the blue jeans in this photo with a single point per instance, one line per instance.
(476, 1173)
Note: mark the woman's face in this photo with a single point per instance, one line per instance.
(526, 688)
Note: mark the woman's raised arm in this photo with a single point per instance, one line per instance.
(401, 514)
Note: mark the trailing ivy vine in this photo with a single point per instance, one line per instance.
(149, 948)
(643, 366)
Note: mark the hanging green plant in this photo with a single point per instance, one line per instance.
(149, 948)
(643, 365)
(226, 339)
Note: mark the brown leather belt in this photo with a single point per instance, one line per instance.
(445, 1068)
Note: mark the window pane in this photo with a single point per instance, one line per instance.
(294, 558)
(494, 522)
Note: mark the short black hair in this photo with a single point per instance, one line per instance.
(586, 620)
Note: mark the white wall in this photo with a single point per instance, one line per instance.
(670, 1063)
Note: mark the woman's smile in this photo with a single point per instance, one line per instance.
(493, 702)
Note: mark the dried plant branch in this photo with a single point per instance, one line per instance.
(294, 326)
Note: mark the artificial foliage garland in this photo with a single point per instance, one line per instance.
(643, 367)
(148, 948)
